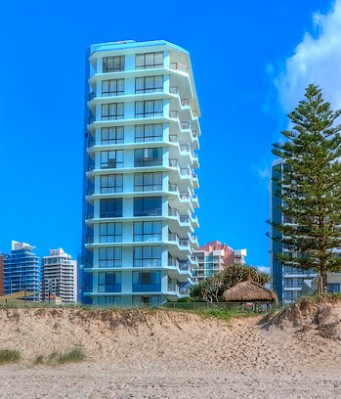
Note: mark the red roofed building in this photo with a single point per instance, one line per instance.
(214, 257)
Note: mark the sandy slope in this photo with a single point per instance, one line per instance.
(158, 354)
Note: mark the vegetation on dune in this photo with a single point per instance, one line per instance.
(212, 289)
(9, 356)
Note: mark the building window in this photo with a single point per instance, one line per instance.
(111, 208)
(150, 132)
(110, 257)
(109, 282)
(112, 135)
(113, 87)
(111, 159)
(112, 111)
(148, 181)
(111, 184)
(148, 109)
(149, 84)
(151, 206)
(147, 256)
(149, 60)
(113, 64)
(148, 231)
(110, 232)
(148, 157)
(146, 281)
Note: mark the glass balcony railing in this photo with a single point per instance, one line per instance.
(173, 114)
(173, 90)
(177, 66)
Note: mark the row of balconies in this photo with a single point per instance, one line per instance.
(120, 95)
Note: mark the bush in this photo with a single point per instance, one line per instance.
(9, 356)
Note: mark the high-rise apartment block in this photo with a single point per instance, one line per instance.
(214, 257)
(59, 276)
(141, 134)
(22, 271)
(288, 281)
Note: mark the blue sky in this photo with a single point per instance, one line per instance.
(251, 62)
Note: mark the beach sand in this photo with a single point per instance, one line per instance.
(164, 354)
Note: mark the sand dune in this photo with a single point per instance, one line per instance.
(164, 354)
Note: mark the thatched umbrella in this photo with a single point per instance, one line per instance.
(249, 291)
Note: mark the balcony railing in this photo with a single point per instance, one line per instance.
(173, 212)
(185, 125)
(185, 103)
(173, 188)
(184, 195)
(173, 163)
(184, 242)
(173, 90)
(91, 166)
(184, 218)
(184, 265)
(184, 172)
(185, 148)
(173, 138)
(92, 95)
(173, 114)
(173, 237)
(178, 67)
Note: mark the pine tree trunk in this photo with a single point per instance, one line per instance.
(324, 277)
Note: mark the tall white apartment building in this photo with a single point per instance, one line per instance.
(141, 135)
(59, 276)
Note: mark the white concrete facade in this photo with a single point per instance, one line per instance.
(59, 276)
(141, 139)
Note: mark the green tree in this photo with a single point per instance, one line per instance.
(237, 273)
(310, 187)
(212, 288)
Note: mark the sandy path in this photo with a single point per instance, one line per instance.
(182, 357)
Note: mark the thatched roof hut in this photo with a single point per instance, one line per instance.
(249, 291)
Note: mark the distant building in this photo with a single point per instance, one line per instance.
(22, 270)
(2, 286)
(59, 277)
(214, 257)
(288, 281)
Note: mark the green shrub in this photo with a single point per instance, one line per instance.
(9, 356)
(73, 356)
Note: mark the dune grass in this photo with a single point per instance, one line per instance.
(9, 356)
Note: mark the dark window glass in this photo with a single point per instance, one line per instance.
(112, 111)
(113, 87)
(146, 281)
(148, 157)
(113, 64)
(148, 181)
(111, 183)
(148, 109)
(110, 232)
(111, 159)
(110, 257)
(151, 206)
(110, 208)
(150, 132)
(148, 231)
(109, 282)
(149, 84)
(147, 256)
(112, 135)
(149, 60)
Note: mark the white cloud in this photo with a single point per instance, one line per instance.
(316, 60)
